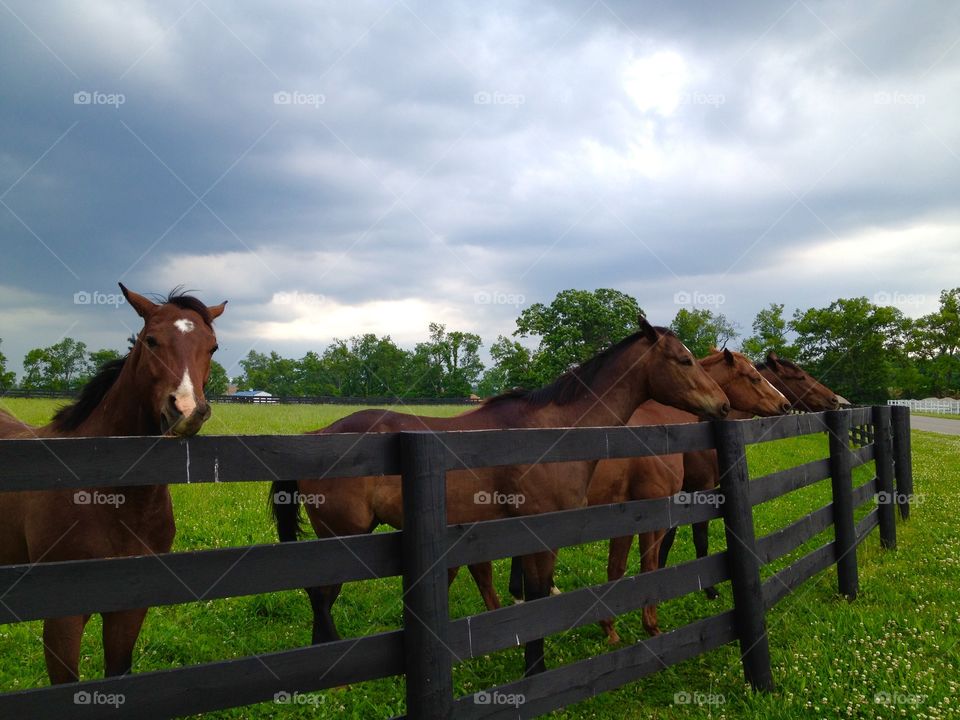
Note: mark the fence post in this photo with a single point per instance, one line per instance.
(744, 562)
(427, 659)
(902, 458)
(841, 475)
(883, 458)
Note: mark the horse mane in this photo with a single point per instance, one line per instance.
(572, 384)
(179, 297)
(70, 417)
(782, 361)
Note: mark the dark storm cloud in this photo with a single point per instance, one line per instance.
(433, 155)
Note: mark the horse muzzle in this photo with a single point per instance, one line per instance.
(175, 423)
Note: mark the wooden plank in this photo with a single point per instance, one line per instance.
(584, 679)
(778, 586)
(777, 544)
(214, 686)
(860, 416)
(884, 462)
(783, 426)
(742, 553)
(124, 461)
(902, 459)
(427, 662)
(32, 592)
(508, 537)
(515, 624)
(842, 483)
(861, 456)
(867, 523)
(780, 483)
(864, 492)
(488, 448)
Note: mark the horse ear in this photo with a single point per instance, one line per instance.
(728, 356)
(217, 310)
(648, 330)
(143, 306)
(772, 358)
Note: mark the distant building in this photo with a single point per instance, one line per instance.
(252, 393)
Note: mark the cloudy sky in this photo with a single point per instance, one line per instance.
(374, 167)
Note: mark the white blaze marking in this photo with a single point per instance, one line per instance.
(184, 399)
(184, 325)
(767, 383)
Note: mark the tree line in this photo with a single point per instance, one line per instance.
(864, 351)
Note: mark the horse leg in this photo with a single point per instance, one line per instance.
(616, 568)
(483, 576)
(120, 632)
(701, 542)
(61, 647)
(516, 579)
(666, 544)
(321, 601)
(537, 571)
(649, 561)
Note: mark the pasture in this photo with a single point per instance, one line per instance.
(830, 657)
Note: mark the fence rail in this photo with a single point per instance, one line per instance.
(430, 643)
(934, 405)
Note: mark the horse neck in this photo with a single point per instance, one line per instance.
(618, 387)
(121, 411)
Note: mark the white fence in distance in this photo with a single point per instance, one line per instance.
(932, 405)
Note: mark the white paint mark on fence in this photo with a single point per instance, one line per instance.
(470, 635)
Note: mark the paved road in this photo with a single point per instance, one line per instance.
(939, 425)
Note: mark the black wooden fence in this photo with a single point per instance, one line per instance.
(426, 649)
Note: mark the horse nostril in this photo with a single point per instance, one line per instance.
(724, 409)
(785, 407)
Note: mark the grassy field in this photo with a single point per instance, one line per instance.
(831, 658)
(945, 416)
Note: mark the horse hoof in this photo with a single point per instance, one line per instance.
(554, 590)
(711, 593)
(518, 601)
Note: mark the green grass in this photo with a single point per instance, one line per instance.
(830, 657)
(945, 416)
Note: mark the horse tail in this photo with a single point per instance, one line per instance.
(286, 510)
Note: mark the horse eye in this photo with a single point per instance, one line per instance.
(686, 361)
(151, 341)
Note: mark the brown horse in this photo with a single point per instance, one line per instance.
(700, 469)
(655, 477)
(802, 390)
(156, 389)
(605, 390)
(646, 478)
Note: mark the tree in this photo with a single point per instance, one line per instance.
(448, 365)
(512, 368)
(700, 330)
(217, 380)
(852, 346)
(575, 326)
(272, 373)
(62, 366)
(7, 378)
(934, 342)
(769, 333)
